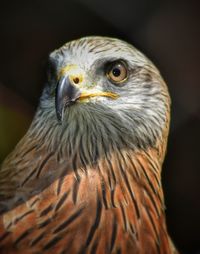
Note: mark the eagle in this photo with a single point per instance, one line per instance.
(86, 177)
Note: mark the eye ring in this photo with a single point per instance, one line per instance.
(117, 72)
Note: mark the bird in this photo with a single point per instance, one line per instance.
(86, 177)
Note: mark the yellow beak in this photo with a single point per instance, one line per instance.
(68, 91)
(87, 95)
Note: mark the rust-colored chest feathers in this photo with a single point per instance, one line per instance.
(113, 207)
(86, 178)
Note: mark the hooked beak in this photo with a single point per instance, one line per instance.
(67, 93)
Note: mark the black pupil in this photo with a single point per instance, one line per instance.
(116, 72)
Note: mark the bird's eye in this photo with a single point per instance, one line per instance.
(117, 72)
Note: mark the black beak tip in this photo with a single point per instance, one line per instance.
(59, 116)
(66, 95)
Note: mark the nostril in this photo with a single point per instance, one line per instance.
(76, 80)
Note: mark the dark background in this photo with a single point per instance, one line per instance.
(168, 32)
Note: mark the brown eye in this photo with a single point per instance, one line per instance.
(117, 72)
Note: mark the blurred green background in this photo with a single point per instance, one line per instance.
(15, 118)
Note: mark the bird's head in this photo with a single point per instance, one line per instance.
(104, 85)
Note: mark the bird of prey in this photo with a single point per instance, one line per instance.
(86, 177)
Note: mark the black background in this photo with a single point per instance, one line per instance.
(168, 32)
